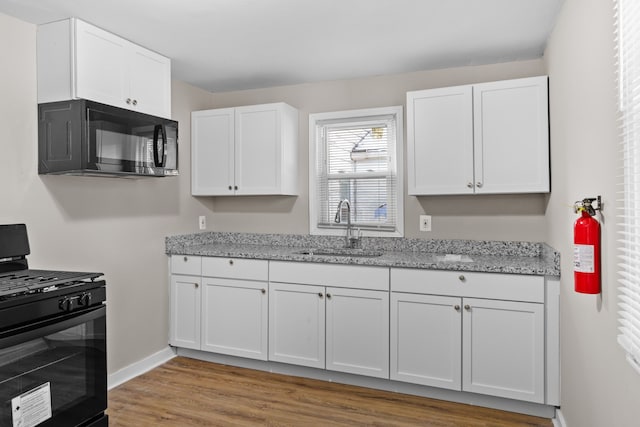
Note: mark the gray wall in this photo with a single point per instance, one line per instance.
(100, 224)
(599, 388)
(504, 217)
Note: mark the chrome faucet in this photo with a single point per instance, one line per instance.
(351, 241)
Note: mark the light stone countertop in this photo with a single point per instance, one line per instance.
(531, 258)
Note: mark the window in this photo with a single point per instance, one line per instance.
(628, 53)
(356, 155)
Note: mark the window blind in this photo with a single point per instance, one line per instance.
(627, 15)
(355, 160)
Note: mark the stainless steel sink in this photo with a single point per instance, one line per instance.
(341, 252)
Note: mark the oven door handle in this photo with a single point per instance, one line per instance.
(46, 327)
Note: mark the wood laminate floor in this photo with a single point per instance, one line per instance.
(187, 392)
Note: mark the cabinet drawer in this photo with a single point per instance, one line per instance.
(236, 268)
(468, 284)
(185, 264)
(339, 276)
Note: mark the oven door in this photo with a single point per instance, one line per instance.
(54, 373)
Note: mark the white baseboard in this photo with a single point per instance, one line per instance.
(559, 421)
(140, 367)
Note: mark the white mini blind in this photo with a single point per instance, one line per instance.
(355, 160)
(627, 13)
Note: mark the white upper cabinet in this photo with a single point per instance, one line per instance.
(487, 138)
(78, 60)
(249, 150)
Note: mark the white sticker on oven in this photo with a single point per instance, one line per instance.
(583, 258)
(33, 407)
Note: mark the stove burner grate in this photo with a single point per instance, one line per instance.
(21, 282)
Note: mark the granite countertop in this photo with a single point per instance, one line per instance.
(532, 258)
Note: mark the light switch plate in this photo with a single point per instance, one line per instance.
(202, 222)
(425, 222)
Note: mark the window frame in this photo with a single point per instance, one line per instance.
(359, 114)
(628, 269)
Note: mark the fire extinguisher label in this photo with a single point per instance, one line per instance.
(584, 258)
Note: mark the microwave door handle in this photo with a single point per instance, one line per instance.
(159, 131)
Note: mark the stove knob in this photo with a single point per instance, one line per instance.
(65, 304)
(85, 299)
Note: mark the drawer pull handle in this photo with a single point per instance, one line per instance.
(462, 278)
(456, 307)
(467, 307)
(230, 262)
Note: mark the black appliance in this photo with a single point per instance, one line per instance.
(81, 137)
(53, 364)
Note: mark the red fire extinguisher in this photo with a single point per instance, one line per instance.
(586, 248)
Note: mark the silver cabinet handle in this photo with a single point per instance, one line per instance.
(263, 290)
(470, 184)
(462, 278)
(328, 296)
(128, 101)
(467, 307)
(479, 185)
(456, 307)
(320, 294)
(196, 285)
(186, 259)
(135, 102)
(230, 262)
(230, 188)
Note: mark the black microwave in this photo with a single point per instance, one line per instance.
(81, 137)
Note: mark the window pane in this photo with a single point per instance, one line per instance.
(355, 160)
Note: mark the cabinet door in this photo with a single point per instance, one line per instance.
(503, 349)
(212, 152)
(149, 82)
(511, 136)
(184, 330)
(426, 341)
(258, 150)
(296, 324)
(234, 317)
(101, 66)
(357, 331)
(440, 141)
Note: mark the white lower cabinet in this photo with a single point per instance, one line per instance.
(234, 306)
(487, 346)
(330, 327)
(357, 331)
(184, 330)
(503, 349)
(223, 309)
(473, 332)
(338, 329)
(234, 317)
(426, 340)
(296, 324)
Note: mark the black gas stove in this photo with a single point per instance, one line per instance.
(52, 341)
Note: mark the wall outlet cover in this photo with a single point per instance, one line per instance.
(202, 222)
(425, 222)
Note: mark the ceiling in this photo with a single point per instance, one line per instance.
(223, 45)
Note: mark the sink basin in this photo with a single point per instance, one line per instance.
(341, 252)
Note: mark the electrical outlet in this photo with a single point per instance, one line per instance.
(202, 222)
(425, 222)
